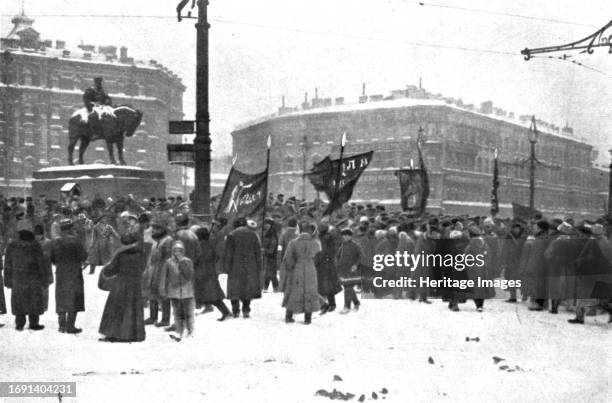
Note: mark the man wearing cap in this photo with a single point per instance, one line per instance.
(242, 262)
(68, 255)
(27, 275)
(536, 266)
(96, 95)
(348, 257)
(560, 256)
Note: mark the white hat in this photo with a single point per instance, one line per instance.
(363, 219)
(488, 221)
(251, 224)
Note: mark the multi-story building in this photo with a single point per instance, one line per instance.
(459, 144)
(42, 85)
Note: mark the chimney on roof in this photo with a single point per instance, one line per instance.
(486, 107)
(339, 101)
(60, 44)
(283, 101)
(363, 98)
(316, 93)
(305, 104)
(123, 54)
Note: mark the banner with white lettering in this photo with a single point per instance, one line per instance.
(243, 195)
(324, 174)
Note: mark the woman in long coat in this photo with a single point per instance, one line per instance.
(301, 294)
(207, 287)
(328, 283)
(123, 316)
(27, 275)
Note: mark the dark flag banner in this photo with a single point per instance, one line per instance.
(323, 178)
(243, 195)
(413, 194)
(523, 212)
(424, 177)
(494, 198)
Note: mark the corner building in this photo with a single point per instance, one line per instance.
(42, 84)
(459, 150)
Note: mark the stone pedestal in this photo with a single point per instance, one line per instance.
(106, 180)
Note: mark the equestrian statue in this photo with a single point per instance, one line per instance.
(99, 120)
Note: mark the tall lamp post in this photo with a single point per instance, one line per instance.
(201, 199)
(533, 139)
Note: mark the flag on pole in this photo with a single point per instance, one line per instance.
(324, 173)
(413, 194)
(244, 195)
(494, 199)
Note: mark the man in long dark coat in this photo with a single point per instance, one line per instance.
(68, 255)
(242, 262)
(511, 251)
(26, 274)
(536, 267)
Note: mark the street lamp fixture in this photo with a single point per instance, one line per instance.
(533, 131)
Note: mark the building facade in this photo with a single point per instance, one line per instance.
(41, 86)
(459, 144)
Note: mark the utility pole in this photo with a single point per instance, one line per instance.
(202, 150)
(305, 148)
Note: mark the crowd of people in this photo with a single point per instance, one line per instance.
(156, 256)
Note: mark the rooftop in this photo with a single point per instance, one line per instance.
(413, 96)
(23, 39)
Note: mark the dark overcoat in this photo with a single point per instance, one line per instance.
(2, 298)
(270, 251)
(123, 316)
(560, 256)
(511, 252)
(207, 287)
(534, 279)
(68, 255)
(325, 262)
(478, 246)
(26, 274)
(242, 262)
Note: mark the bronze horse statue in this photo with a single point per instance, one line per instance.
(111, 124)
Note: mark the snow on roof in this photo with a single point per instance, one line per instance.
(400, 103)
(88, 167)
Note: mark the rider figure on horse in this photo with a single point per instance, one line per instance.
(96, 95)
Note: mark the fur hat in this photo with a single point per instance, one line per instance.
(565, 228)
(66, 224)
(597, 229)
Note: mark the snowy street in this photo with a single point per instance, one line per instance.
(412, 351)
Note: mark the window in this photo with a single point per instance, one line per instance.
(27, 77)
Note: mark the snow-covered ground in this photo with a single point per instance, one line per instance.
(387, 344)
